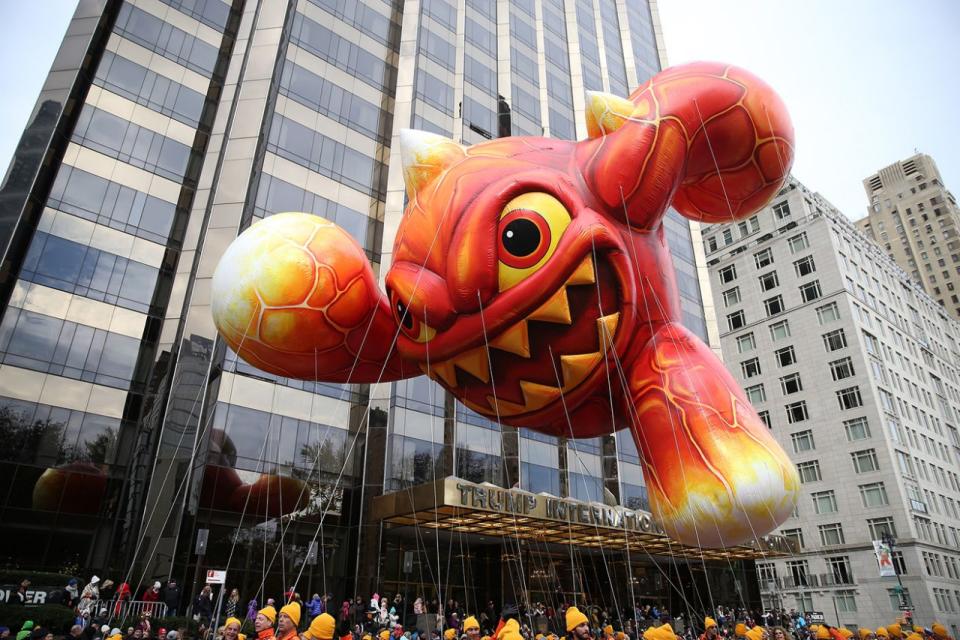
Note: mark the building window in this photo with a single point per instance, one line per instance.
(773, 305)
(727, 236)
(798, 242)
(898, 599)
(809, 471)
(831, 534)
(750, 368)
(780, 330)
(756, 394)
(874, 494)
(781, 210)
(736, 320)
(731, 297)
(835, 340)
(840, 571)
(711, 244)
(765, 418)
(810, 291)
(786, 356)
(898, 562)
(802, 441)
(824, 502)
(791, 384)
(880, 526)
(842, 368)
(746, 343)
(797, 412)
(865, 461)
(857, 429)
(763, 258)
(845, 601)
(804, 266)
(849, 398)
(828, 313)
(797, 536)
(728, 274)
(873, 346)
(769, 281)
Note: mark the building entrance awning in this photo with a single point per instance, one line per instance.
(457, 505)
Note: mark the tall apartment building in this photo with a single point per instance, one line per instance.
(916, 220)
(855, 370)
(164, 129)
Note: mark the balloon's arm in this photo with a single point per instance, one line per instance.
(713, 140)
(294, 295)
(714, 472)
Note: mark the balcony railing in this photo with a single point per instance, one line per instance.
(808, 581)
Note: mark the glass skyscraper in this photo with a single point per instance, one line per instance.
(165, 128)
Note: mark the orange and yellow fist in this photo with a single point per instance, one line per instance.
(291, 292)
(715, 474)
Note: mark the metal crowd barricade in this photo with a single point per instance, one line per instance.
(118, 610)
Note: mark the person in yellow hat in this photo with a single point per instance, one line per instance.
(846, 633)
(288, 621)
(449, 633)
(384, 634)
(823, 633)
(322, 627)
(231, 629)
(914, 636)
(663, 632)
(865, 634)
(621, 635)
(263, 623)
(509, 631)
(939, 631)
(881, 632)
(608, 632)
(757, 633)
(918, 629)
(895, 631)
(740, 631)
(710, 629)
(578, 625)
(471, 627)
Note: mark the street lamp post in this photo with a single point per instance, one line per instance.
(889, 540)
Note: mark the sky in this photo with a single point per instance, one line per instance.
(866, 81)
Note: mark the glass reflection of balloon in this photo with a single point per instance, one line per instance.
(527, 272)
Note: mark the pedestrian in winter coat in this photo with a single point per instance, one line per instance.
(71, 594)
(232, 604)
(315, 606)
(171, 597)
(90, 593)
(203, 605)
(252, 610)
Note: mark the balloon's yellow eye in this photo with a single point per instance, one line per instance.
(530, 229)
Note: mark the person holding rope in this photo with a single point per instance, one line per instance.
(231, 629)
(263, 623)
(471, 628)
(578, 625)
(288, 621)
(322, 627)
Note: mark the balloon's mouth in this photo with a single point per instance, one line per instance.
(531, 364)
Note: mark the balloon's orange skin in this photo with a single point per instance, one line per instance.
(586, 343)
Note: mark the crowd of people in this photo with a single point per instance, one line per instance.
(98, 608)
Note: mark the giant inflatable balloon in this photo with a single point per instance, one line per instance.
(531, 278)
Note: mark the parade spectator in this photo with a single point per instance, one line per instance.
(171, 597)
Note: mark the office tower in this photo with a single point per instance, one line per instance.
(165, 128)
(915, 219)
(854, 368)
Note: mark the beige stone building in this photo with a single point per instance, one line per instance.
(914, 218)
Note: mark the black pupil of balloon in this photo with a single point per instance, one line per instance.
(521, 237)
(405, 318)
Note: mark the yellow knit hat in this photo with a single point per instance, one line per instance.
(383, 635)
(269, 613)
(449, 633)
(709, 622)
(755, 633)
(292, 611)
(894, 630)
(918, 629)
(575, 618)
(231, 620)
(663, 632)
(846, 633)
(621, 635)
(470, 623)
(608, 630)
(882, 631)
(322, 627)
(823, 633)
(914, 636)
(740, 629)
(864, 633)
(939, 630)
(486, 638)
